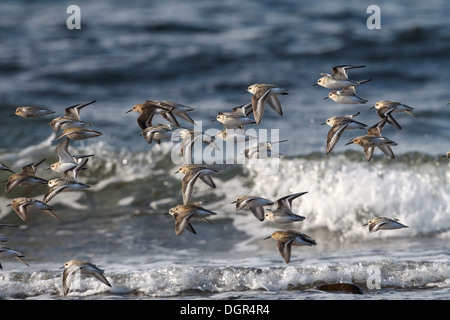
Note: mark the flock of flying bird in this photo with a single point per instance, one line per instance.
(343, 90)
(67, 127)
(234, 122)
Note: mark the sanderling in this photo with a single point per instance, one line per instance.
(346, 95)
(283, 213)
(23, 206)
(338, 125)
(373, 139)
(386, 108)
(5, 167)
(183, 214)
(78, 134)
(158, 133)
(71, 118)
(6, 252)
(262, 150)
(447, 155)
(338, 79)
(369, 142)
(67, 182)
(66, 161)
(262, 93)
(254, 203)
(287, 238)
(191, 173)
(147, 110)
(232, 120)
(83, 267)
(26, 177)
(234, 135)
(383, 223)
(31, 112)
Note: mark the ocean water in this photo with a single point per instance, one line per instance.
(205, 54)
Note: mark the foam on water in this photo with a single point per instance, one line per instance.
(199, 281)
(344, 190)
(343, 194)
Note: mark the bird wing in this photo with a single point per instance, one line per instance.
(275, 104)
(68, 275)
(93, 270)
(53, 192)
(145, 118)
(208, 180)
(258, 212)
(341, 72)
(241, 202)
(22, 210)
(285, 203)
(376, 226)
(187, 186)
(32, 167)
(333, 136)
(170, 117)
(368, 152)
(12, 183)
(284, 247)
(258, 102)
(387, 151)
(62, 150)
(73, 112)
(183, 222)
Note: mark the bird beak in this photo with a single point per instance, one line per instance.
(233, 202)
(9, 205)
(12, 115)
(267, 237)
(213, 120)
(87, 103)
(372, 107)
(350, 142)
(325, 98)
(315, 84)
(323, 123)
(129, 111)
(365, 224)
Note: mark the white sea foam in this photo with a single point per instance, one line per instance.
(343, 195)
(172, 281)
